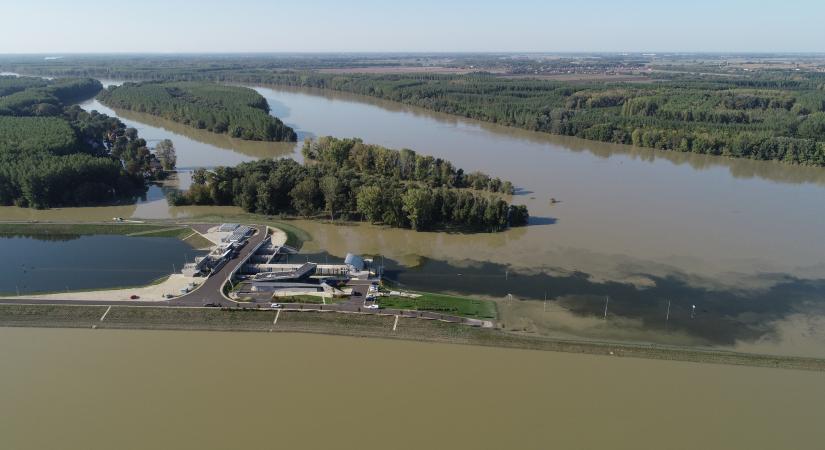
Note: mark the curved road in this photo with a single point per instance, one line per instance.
(210, 293)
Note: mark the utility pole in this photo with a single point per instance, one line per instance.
(606, 301)
(667, 316)
(545, 301)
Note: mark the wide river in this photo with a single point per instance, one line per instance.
(106, 389)
(658, 232)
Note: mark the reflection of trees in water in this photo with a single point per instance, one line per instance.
(256, 149)
(738, 167)
(721, 316)
(44, 237)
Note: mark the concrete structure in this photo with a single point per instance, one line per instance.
(232, 238)
(228, 227)
(303, 272)
(355, 261)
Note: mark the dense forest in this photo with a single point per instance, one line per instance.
(38, 97)
(345, 178)
(757, 119)
(682, 106)
(57, 155)
(238, 111)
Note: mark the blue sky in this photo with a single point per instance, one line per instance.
(52, 26)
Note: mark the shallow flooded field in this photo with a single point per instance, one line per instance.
(212, 390)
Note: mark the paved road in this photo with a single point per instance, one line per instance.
(210, 293)
(210, 290)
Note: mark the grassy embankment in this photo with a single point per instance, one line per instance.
(124, 317)
(440, 303)
(56, 229)
(183, 233)
(295, 236)
(444, 304)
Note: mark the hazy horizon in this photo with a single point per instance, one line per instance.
(427, 26)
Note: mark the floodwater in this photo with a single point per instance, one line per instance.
(639, 225)
(70, 262)
(103, 389)
(195, 148)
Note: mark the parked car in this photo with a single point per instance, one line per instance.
(373, 306)
(276, 305)
(212, 305)
(134, 297)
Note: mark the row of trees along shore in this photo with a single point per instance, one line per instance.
(346, 178)
(238, 111)
(57, 155)
(764, 115)
(763, 118)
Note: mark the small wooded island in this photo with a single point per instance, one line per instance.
(53, 155)
(346, 178)
(238, 111)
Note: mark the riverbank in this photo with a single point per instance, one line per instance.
(35, 229)
(362, 325)
(161, 290)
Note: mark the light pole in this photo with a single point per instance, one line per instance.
(606, 301)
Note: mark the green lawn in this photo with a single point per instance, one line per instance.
(197, 241)
(442, 303)
(314, 299)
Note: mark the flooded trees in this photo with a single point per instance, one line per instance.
(347, 178)
(165, 152)
(239, 111)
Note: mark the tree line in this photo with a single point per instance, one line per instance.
(25, 96)
(56, 155)
(237, 111)
(403, 165)
(771, 115)
(766, 121)
(345, 178)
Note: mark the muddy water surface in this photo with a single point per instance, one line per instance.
(740, 239)
(103, 389)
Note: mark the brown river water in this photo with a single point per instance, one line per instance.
(742, 240)
(106, 389)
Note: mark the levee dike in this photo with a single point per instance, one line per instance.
(362, 325)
